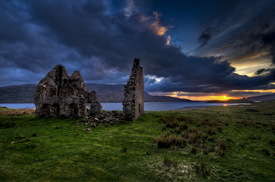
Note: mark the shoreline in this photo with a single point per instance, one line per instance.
(193, 108)
(206, 107)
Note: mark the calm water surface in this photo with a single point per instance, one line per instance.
(149, 106)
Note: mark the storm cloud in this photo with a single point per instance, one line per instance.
(86, 36)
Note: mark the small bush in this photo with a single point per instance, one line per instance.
(201, 169)
(178, 130)
(219, 129)
(221, 148)
(170, 163)
(193, 137)
(265, 152)
(205, 151)
(124, 150)
(7, 125)
(220, 152)
(34, 135)
(229, 140)
(204, 137)
(247, 123)
(193, 130)
(169, 141)
(254, 137)
(272, 142)
(210, 139)
(182, 118)
(31, 146)
(221, 144)
(172, 125)
(183, 126)
(193, 150)
(210, 131)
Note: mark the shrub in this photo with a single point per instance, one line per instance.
(193, 130)
(254, 137)
(193, 137)
(169, 141)
(221, 144)
(172, 124)
(272, 142)
(221, 148)
(205, 151)
(210, 131)
(193, 150)
(178, 130)
(124, 150)
(170, 163)
(265, 152)
(7, 125)
(204, 137)
(183, 126)
(219, 128)
(201, 169)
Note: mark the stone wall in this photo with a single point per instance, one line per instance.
(61, 95)
(133, 104)
(96, 107)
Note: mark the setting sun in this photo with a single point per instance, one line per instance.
(224, 98)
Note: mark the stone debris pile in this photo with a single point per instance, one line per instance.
(111, 117)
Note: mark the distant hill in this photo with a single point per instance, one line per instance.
(105, 93)
(262, 98)
(17, 94)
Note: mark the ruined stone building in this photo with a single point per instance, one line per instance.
(133, 103)
(61, 95)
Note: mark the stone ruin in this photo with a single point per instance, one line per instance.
(61, 95)
(95, 105)
(133, 103)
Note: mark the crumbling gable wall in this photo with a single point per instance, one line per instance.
(96, 107)
(133, 104)
(59, 95)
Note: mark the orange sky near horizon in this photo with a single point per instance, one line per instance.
(206, 98)
(221, 97)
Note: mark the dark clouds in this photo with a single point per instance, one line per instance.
(205, 37)
(84, 35)
(242, 32)
(268, 39)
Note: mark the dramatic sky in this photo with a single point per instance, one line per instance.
(196, 49)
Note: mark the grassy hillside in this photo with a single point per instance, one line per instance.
(216, 144)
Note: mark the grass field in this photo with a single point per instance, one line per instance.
(234, 143)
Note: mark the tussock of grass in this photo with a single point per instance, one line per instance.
(168, 141)
(201, 169)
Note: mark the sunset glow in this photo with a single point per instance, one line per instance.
(259, 91)
(206, 97)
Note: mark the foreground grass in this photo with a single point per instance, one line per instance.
(214, 144)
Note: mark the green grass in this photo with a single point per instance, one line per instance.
(215, 144)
